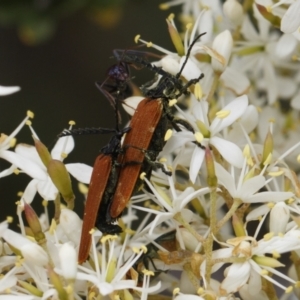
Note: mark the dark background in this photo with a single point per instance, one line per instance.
(57, 83)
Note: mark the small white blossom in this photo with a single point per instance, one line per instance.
(68, 260)
(45, 186)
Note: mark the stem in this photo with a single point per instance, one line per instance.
(193, 279)
(229, 214)
(230, 260)
(296, 261)
(208, 245)
(213, 210)
(178, 217)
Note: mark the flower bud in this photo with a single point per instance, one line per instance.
(42, 152)
(268, 146)
(190, 242)
(279, 217)
(222, 44)
(68, 261)
(267, 261)
(34, 223)
(274, 20)
(61, 179)
(71, 225)
(233, 10)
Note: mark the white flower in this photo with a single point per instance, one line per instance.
(248, 190)
(30, 250)
(211, 133)
(256, 263)
(196, 7)
(45, 186)
(110, 276)
(68, 261)
(261, 54)
(233, 10)
(285, 144)
(170, 204)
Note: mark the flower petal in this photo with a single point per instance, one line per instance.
(225, 179)
(191, 70)
(7, 90)
(81, 172)
(7, 171)
(230, 151)
(68, 261)
(158, 220)
(130, 104)
(286, 46)
(237, 107)
(35, 254)
(8, 281)
(291, 21)
(47, 189)
(251, 186)
(237, 276)
(269, 197)
(196, 162)
(71, 225)
(192, 195)
(30, 191)
(235, 81)
(63, 145)
(29, 152)
(27, 166)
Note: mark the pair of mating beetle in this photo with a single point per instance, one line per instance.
(116, 173)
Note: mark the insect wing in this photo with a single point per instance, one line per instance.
(99, 179)
(143, 125)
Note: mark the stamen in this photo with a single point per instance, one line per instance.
(168, 134)
(30, 114)
(222, 114)
(9, 219)
(137, 38)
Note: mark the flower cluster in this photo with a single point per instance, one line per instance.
(215, 228)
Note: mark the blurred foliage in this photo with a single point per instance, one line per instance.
(36, 20)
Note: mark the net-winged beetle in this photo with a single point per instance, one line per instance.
(106, 167)
(148, 125)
